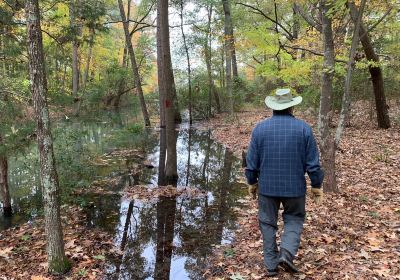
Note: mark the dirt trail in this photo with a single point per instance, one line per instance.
(354, 234)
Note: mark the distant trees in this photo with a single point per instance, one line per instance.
(57, 261)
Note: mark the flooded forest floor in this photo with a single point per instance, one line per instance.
(119, 224)
(354, 234)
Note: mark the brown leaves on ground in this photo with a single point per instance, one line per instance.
(354, 234)
(23, 249)
(147, 193)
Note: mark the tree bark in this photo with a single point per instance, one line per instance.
(2, 49)
(228, 58)
(167, 88)
(74, 11)
(135, 69)
(189, 70)
(350, 67)
(4, 190)
(327, 140)
(375, 71)
(208, 55)
(57, 262)
(230, 37)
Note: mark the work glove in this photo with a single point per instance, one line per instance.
(253, 189)
(318, 195)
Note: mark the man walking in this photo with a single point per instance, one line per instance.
(282, 149)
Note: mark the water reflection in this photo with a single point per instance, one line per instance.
(167, 239)
(77, 145)
(172, 238)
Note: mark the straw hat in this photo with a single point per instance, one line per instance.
(282, 99)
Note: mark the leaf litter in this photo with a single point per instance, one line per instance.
(354, 234)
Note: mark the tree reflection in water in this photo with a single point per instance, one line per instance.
(172, 238)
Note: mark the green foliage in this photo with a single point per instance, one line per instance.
(135, 128)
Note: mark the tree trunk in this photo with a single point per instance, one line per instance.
(86, 73)
(4, 191)
(125, 58)
(350, 67)
(230, 37)
(89, 58)
(167, 88)
(189, 72)
(228, 62)
(375, 71)
(208, 54)
(74, 11)
(57, 262)
(135, 69)
(327, 140)
(2, 51)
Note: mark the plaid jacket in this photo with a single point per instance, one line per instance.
(282, 149)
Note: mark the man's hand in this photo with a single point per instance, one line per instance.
(252, 189)
(317, 195)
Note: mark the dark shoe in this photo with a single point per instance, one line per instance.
(272, 272)
(286, 261)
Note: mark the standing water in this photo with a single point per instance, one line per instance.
(164, 238)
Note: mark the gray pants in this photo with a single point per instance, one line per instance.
(293, 218)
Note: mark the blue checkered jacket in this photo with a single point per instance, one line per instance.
(282, 149)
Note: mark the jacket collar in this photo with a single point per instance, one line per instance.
(279, 113)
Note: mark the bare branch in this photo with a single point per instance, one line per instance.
(307, 17)
(260, 12)
(308, 50)
(258, 61)
(379, 21)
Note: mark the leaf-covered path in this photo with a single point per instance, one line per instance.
(354, 234)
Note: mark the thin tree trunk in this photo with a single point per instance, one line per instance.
(89, 58)
(375, 71)
(189, 72)
(87, 68)
(4, 190)
(208, 54)
(327, 139)
(350, 67)
(64, 78)
(167, 88)
(125, 58)
(228, 56)
(230, 37)
(135, 70)
(57, 262)
(228, 76)
(2, 48)
(223, 68)
(74, 12)
(210, 81)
